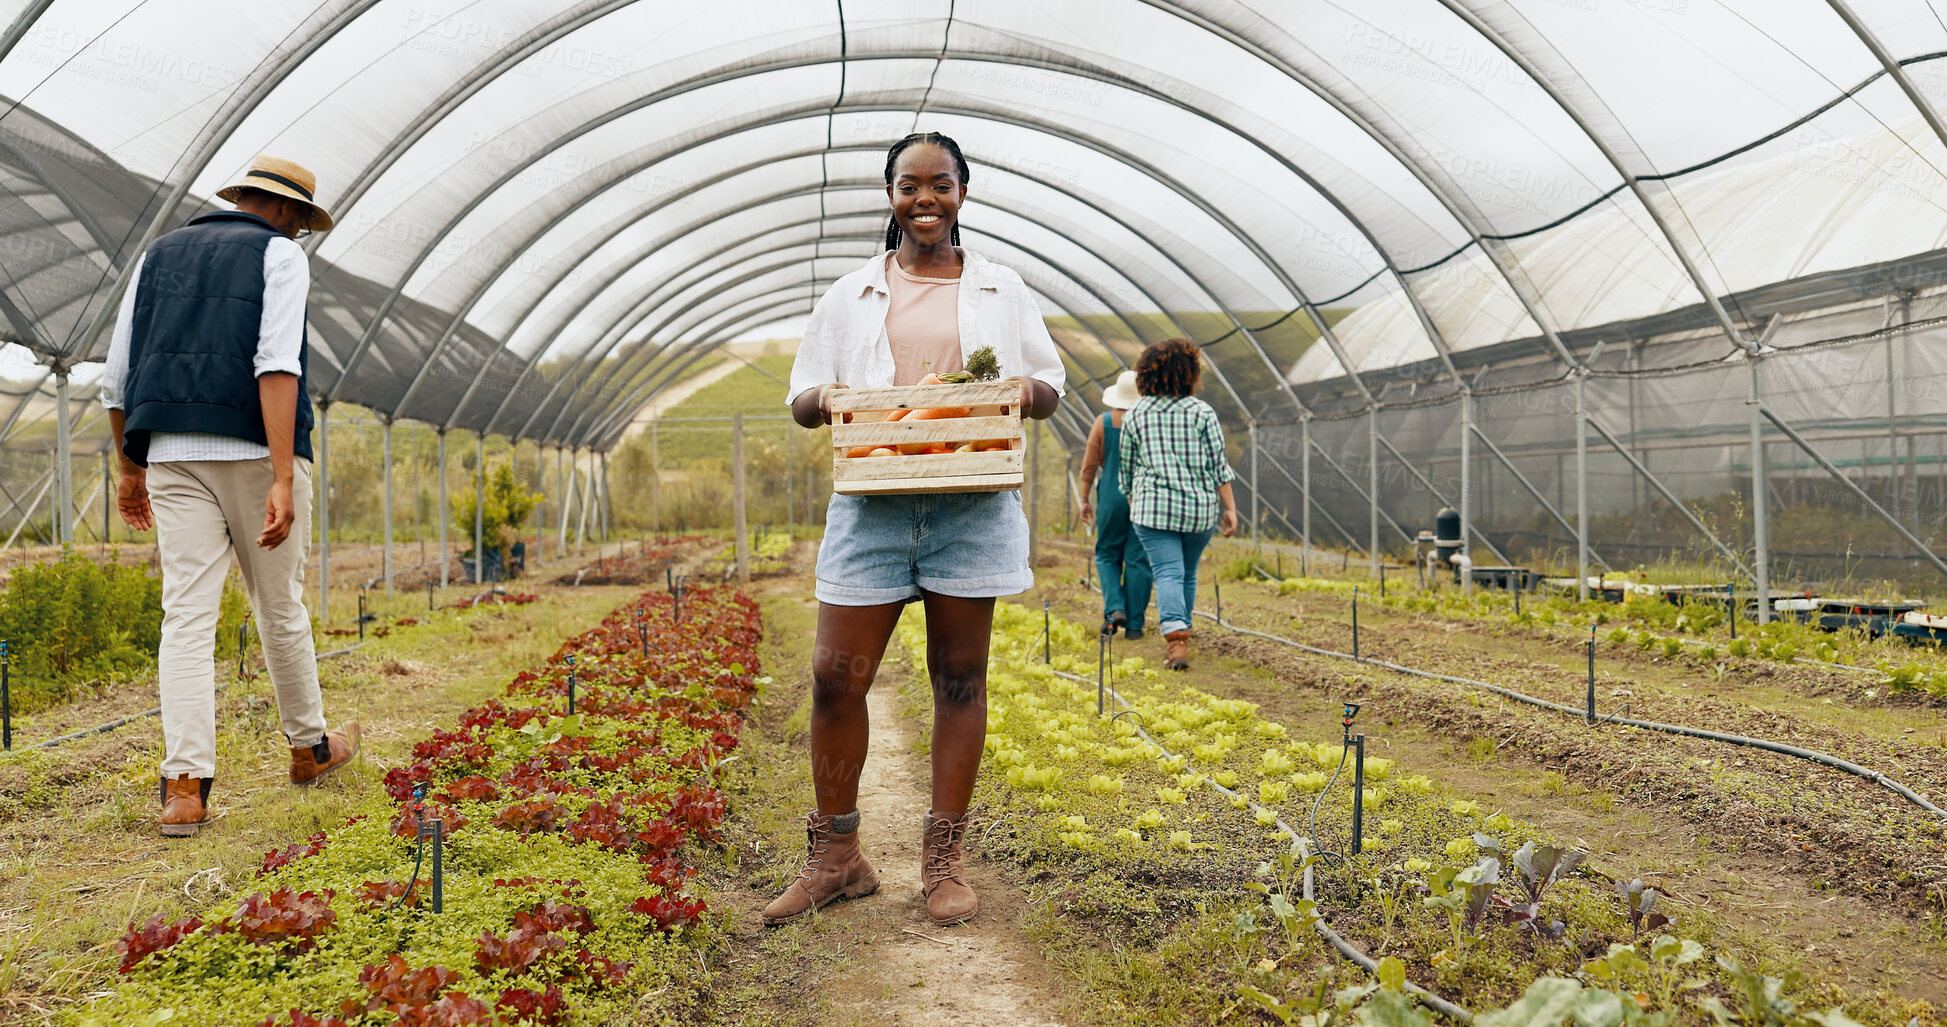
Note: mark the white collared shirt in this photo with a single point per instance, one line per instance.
(845, 340)
(280, 342)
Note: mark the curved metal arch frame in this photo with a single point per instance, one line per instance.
(56, 186)
(569, 22)
(1893, 67)
(611, 430)
(625, 267)
(1080, 282)
(204, 148)
(1193, 279)
(616, 409)
(1574, 113)
(1458, 205)
(508, 58)
(1078, 70)
(1086, 285)
(1088, 142)
(637, 399)
(1099, 146)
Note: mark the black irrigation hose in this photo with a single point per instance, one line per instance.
(1347, 949)
(102, 729)
(1813, 755)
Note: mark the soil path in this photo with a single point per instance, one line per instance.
(908, 971)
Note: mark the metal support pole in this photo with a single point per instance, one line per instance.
(561, 470)
(444, 515)
(608, 501)
(1760, 515)
(1305, 476)
(1034, 493)
(1427, 483)
(7, 700)
(1355, 622)
(790, 483)
(479, 507)
(737, 497)
(1047, 634)
(1466, 507)
(385, 563)
(1857, 492)
(1372, 485)
(655, 482)
(439, 866)
(107, 496)
(324, 513)
(1664, 490)
(1589, 714)
(1582, 487)
(1251, 439)
(1358, 794)
(1522, 480)
(541, 508)
(63, 460)
(587, 500)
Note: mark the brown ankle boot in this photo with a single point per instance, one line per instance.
(1178, 657)
(834, 868)
(943, 879)
(185, 805)
(334, 750)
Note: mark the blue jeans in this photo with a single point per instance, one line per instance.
(1120, 560)
(1173, 557)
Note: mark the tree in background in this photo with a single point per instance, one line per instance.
(505, 510)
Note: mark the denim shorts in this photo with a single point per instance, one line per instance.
(885, 549)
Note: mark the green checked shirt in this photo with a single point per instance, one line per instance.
(1172, 462)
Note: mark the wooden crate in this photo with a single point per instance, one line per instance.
(858, 419)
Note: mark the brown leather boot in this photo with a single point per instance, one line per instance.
(834, 869)
(185, 805)
(334, 750)
(1178, 657)
(943, 877)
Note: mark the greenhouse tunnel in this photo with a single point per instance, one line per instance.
(1674, 299)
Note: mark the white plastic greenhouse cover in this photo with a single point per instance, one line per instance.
(549, 210)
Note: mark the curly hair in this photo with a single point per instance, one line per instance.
(1171, 367)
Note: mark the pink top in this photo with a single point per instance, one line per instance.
(923, 324)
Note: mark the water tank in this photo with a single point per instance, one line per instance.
(1446, 533)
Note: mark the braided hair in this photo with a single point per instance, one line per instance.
(892, 157)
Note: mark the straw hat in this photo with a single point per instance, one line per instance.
(1122, 395)
(281, 178)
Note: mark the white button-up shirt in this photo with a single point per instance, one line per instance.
(845, 340)
(280, 343)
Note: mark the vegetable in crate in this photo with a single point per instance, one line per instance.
(982, 366)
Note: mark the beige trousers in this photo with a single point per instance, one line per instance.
(208, 513)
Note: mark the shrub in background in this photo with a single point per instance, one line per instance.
(508, 502)
(71, 621)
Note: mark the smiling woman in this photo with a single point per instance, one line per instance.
(922, 308)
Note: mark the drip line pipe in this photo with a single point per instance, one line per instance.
(1813, 755)
(1345, 948)
(1694, 642)
(118, 722)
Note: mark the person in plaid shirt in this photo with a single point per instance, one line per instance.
(1178, 483)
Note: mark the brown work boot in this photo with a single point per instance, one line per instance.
(943, 879)
(334, 750)
(834, 869)
(1178, 657)
(185, 805)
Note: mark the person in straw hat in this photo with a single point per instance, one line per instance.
(205, 391)
(1120, 560)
